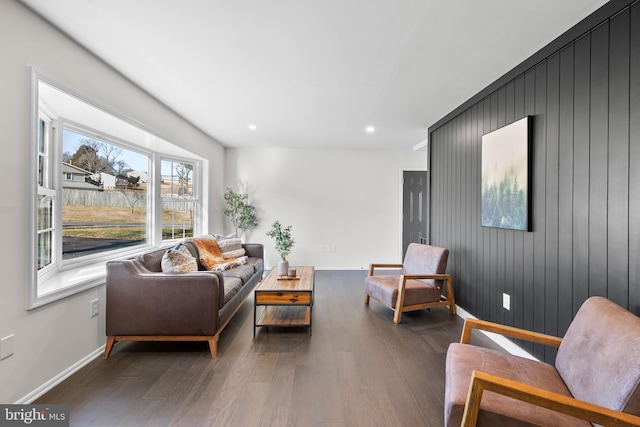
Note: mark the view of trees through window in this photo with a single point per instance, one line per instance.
(178, 204)
(104, 195)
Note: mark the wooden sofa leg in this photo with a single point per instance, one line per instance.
(366, 299)
(213, 346)
(107, 348)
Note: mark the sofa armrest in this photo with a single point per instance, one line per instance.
(481, 381)
(254, 250)
(139, 302)
(507, 331)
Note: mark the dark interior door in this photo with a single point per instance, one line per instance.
(414, 208)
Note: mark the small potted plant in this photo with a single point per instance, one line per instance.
(284, 243)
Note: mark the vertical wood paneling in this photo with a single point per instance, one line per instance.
(565, 191)
(477, 155)
(539, 202)
(475, 184)
(517, 306)
(509, 237)
(634, 159)
(585, 236)
(551, 200)
(598, 164)
(581, 154)
(618, 179)
(468, 183)
(528, 281)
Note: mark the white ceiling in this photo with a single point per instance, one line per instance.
(314, 73)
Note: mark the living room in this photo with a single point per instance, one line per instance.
(585, 225)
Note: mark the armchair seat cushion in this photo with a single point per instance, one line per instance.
(384, 288)
(497, 409)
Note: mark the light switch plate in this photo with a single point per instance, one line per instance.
(506, 301)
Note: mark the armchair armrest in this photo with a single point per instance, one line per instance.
(426, 276)
(481, 381)
(372, 267)
(508, 331)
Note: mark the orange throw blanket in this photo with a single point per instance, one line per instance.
(209, 252)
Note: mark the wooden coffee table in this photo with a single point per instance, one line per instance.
(287, 302)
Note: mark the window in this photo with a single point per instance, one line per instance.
(179, 205)
(103, 188)
(46, 196)
(104, 207)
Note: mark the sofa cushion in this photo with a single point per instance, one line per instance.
(598, 357)
(256, 263)
(242, 272)
(232, 286)
(178, 260)
(152, 261)
(496, 409)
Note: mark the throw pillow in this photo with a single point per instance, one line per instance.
(178, 260)
(231, 248)
(228, 236)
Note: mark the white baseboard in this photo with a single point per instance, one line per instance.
(60, 377)
(497, 338)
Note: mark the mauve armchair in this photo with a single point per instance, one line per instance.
(596, 377)
(419, 284)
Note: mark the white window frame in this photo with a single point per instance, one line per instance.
(62, 279)
(195, 197)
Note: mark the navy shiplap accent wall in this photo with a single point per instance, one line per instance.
(585, 240)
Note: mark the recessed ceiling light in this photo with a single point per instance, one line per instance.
(370, 129)
(252, 127)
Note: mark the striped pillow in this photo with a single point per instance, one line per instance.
(231, 248)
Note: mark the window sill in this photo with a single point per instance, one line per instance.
(70, 281)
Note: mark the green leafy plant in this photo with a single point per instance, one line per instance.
(240, 212)
(283, 238)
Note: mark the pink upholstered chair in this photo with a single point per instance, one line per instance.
(596, 377)
(419, 284)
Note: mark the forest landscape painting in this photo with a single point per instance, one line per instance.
(505, 176)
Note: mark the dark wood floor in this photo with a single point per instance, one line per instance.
(357, 369)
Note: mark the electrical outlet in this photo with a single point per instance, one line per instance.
(94, 308)
(506, 301)
(6, 347)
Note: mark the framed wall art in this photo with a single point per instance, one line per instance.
(506, 172)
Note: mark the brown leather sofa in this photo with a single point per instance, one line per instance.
(145, 304)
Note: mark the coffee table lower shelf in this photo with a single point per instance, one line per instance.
(285, 316)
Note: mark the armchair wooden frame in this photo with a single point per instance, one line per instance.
(481, 381)
(400, 308)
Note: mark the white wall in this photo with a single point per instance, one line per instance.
(347, 199)
(53, 338)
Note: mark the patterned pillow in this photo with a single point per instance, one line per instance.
(231, 248)
(179, 260)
